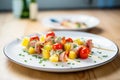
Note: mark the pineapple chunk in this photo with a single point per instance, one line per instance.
(67, 46)
(31, 50)
(54, 58)
(45, 54)
(42, 38)
(72, 55)
(48, 47)
(78, 41)
(25, 42)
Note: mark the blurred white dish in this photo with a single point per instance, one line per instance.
(90, 21)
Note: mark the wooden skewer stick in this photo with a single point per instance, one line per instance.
(102, 48)
(95, 57)
(70, 60)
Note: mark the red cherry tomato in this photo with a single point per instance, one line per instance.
(84, 52)
(34, 38)
(69, 40)
(52, 34)
(57, 46)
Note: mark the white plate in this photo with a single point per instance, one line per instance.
(15, 53)
(90, 21)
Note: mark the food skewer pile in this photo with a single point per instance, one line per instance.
(57, 49)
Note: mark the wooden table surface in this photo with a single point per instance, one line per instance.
(11, 28)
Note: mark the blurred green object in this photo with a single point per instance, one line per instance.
(33, 1)
(25, 9)
(21, 8)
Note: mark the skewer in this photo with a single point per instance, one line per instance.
(95, 57)
(102, 48)
(70, 60)
(38, 34)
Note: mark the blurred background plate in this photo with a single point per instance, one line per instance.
(54, 22)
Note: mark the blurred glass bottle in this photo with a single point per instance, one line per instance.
(21, 8)
(25, 9)
(33, 8)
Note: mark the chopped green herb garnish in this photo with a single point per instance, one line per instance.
(43, 64)
(39, 57)
(78, 25)
(53, 41)
(74, 46)
(25, 60)
(56, 64)
(62, 65)
(90, 56)
(69, 63)
(99, 57)
(94, 61)
(105, 56)
(24, 50)
(73, 63)
(40, 61)
(34, 56)
(92, 52)
(23, 55)
(59, 51)
(30, 58)
(44, 59)
(20, 54)
(78, 61)
(99, 52)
